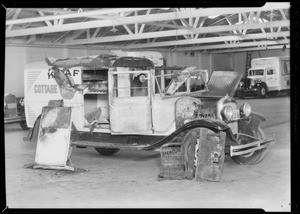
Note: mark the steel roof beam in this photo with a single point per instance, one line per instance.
(73, 15)
(249, 49)
(234, 45)
(133, 19)
(14, 18)
(169, 33)
(209, 40)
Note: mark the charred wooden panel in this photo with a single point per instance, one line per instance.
(210, 155)
(54, 136)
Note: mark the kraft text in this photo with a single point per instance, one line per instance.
(66, 72)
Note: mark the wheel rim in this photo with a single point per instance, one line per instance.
(259, 136)
(263, 91)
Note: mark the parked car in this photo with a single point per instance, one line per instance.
(128, 103)
(14, 110)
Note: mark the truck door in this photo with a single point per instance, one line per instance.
(272, 79)
(129, 102)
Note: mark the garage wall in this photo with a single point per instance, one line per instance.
(240, 57)
(181, 59)
(221, 62)
(17, 57)
(205, 62)
(34, 54)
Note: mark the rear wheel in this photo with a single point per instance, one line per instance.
(255, 157)
(106, 151)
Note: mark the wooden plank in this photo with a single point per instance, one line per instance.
(211, 156)
(53, 146)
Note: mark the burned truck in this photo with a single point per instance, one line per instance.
(130, 102)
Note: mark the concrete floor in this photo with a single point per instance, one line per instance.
(129, 178)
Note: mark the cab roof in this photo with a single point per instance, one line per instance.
(100, 62)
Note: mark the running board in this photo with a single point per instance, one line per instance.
(133, 146)
(250, 147)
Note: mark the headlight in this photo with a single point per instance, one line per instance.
(241, 84)
(227, 112)
(21, 102)
(245, 109)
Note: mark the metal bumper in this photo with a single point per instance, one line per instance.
(248, 91)
(14, 119)
(250, 147)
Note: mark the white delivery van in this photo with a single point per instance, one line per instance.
(266, 75)
(40, 87)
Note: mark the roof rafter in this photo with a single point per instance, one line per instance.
(250, 49)
(17, 12)
(209, 40)
(170, 33)
(233, 45)
(140, 19)
(73, 15)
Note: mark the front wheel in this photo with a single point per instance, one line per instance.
(24, 125)
(262, 91)
(106, 151)
(252, 158)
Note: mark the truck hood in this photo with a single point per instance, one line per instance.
(222, 83)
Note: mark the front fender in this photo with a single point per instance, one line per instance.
(250, 126)
(33, 133)
(209, 123)
(258, 116)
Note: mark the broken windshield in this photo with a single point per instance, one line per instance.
(171, 82)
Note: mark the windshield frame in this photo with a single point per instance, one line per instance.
(256, 69)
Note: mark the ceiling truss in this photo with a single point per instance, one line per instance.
(171, 29)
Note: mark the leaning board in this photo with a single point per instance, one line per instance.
(54, 136)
